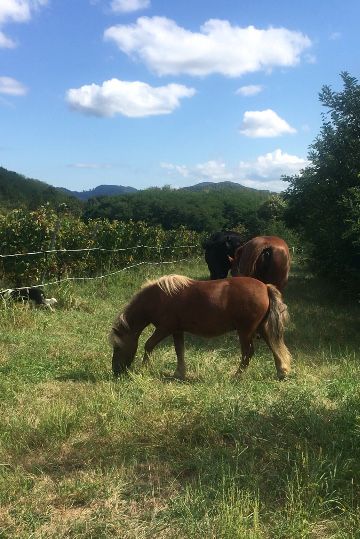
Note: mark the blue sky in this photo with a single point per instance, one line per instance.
(155, 92)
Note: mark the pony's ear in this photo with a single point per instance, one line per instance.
(231, 259)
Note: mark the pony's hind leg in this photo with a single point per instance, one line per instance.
(180, 371)
(247, 351)
(158, 335)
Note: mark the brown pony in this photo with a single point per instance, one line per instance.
(175, 304)
(266, 258)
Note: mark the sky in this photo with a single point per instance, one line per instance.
(162, 92)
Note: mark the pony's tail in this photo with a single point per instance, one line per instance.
(273, 331)
(264, 259)
(248, 259)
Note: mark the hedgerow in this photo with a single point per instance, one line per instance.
(45, 230)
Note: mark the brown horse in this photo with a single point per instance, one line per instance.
(175, 304)
(266, 258)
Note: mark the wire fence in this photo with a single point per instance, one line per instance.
(93, 263)
(44, 246)
(98, 249)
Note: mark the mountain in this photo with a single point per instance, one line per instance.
(217, 186)
(101, 191)
(114, 190)
(17, 191)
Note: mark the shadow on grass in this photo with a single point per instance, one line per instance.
(298, 440)
(77, 376)
(168, 377)
(322, 318)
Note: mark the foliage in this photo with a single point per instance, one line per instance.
(196, 210)
(272, 209)
(351, 204)
(323, 201)
(44, 229)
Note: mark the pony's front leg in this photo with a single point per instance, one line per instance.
(247, 351)
(158, 335)
(180, 371)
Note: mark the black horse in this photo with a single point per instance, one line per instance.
(218, 247)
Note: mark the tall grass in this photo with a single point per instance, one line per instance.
(84, 456)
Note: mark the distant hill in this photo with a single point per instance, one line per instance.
(115, 190)
(206, 206)
(216, 186)
(101, 191)
(17, 191)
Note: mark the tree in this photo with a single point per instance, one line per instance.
(323, 198)
(272, 209)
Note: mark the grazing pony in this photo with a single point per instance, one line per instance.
(266, 258)
(175, 304)
(218, 248)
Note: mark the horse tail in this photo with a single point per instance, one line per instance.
(265, 258)
(273, 328)
(248, 259)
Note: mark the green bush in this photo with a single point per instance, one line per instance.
(112, 246)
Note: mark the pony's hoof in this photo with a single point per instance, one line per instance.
(123, 373)
(239, 373)
(179, 376)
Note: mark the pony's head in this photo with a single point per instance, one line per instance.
(235, 262)
(124, 343)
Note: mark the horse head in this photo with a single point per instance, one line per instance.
(124, 343)
(235, 262)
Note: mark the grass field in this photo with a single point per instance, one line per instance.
(84, 456)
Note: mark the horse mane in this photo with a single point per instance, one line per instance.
(120, 322)
(170, 284)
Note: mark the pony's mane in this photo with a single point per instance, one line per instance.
(170, 284)
(120, 322)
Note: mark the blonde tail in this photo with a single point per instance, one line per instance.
(273, 331)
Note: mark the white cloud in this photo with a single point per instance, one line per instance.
(11, 86)
(264, 123)
(90, 166)
(133, 99)
(182, 170)
(251, 89)
(127, 6)
(219, 47)
(335, 35)
(14, 11)
(272, 165)
(18, 11)
(268, 185)
(215, 170)
(262, 173)
(6, 42)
